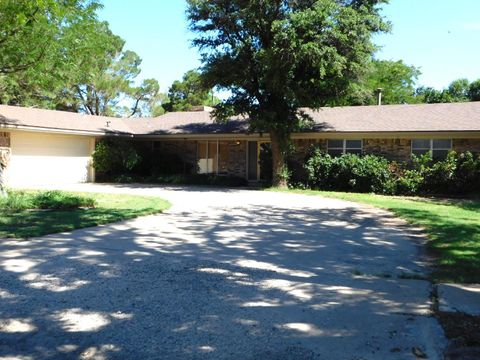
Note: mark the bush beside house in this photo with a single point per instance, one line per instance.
(458, 174)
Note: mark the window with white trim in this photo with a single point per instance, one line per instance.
(344, 146)
(438, 147)
(207, 157)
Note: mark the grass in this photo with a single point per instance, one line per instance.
(24, 214)
(452, 225)
(47, 200)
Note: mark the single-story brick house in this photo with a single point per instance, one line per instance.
(55, 147)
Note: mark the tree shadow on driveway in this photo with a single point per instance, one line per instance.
(256, 282)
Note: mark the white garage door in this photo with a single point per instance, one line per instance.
(38, 159)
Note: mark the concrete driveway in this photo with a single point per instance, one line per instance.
(224, 274)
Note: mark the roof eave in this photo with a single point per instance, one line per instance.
(62, 131)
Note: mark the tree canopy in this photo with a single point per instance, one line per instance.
(276, 57)
(189, 92)
(396, 79)
(108, 87)
(460, 90)
(57, 54)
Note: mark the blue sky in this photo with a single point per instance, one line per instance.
(439, 36)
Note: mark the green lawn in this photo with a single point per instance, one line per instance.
(108, 208)
(453, 227)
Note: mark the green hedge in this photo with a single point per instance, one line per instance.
(349, 173)
(458, 174)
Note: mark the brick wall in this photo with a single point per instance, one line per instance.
(462, 145)
(392, 149)
(233, 157)
(237, 158)
(4, 139)
(232, 160)
(302, 146)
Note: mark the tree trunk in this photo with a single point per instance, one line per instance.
(279, 166)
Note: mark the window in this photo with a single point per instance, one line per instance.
(207, 157)
(339, 147)
(439, 147)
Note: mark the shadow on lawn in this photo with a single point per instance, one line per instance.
(250, 283)
(24, 224)
(456, 242)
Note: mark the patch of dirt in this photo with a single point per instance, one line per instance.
(463, 331)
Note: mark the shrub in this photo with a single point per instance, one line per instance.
(467, 173)
(349, 172)
(16, 201)
(458, 174)
(48, 200)
(114, 157)
(440, 176)
(58, 200)
(409, 183)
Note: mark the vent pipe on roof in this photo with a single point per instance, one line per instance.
(201, 108)
(379, 96)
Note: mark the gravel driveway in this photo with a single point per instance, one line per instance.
(224, 274)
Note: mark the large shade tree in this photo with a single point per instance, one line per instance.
(277, 56)
(57, 54)
(40, 44)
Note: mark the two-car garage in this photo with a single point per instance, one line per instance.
(42, 158)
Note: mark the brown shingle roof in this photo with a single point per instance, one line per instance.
(399, 118)
(193, 122)
(387, 118)
(60, 120)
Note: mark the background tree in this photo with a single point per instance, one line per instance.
(57, 54)
(459, 90)
(108, 88)
(189, 92)
(278, 56)
(39, 44)
(395, 78)
(430, 95)
(474, 91)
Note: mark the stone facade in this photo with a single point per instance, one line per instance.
(462, 145)
(4, 158)
(4, 140)
(392, 149)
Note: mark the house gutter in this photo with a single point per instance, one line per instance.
(255, 136)
(62, 131)
(320, 135)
